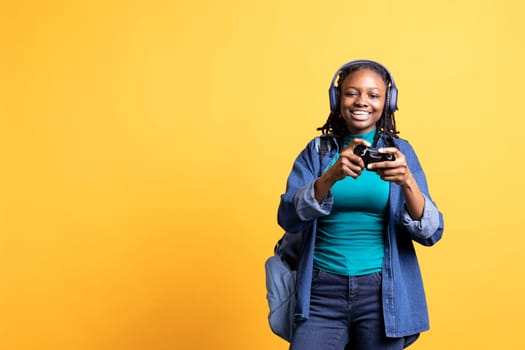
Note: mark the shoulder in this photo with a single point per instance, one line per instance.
(322, 142)
(405, 146)
(325, 143)
(410, 154)
(320, 147)
(403, 143)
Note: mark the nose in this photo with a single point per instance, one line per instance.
(360, 100)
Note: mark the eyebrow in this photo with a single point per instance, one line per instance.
(369, 88)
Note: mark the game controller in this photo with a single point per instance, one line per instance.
(372, 155)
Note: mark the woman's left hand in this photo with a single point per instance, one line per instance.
(396, 170)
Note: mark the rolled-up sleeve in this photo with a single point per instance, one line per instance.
(428, 224)
(308, 208)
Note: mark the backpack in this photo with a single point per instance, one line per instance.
(281, 271)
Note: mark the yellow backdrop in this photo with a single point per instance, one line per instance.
(144, 146)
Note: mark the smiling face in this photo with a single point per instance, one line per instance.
(362, 100)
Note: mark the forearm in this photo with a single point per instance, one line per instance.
(322, 186)
(414, 200)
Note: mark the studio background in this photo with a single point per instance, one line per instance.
(144, 147)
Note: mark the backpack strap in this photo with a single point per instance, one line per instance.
(323, 146)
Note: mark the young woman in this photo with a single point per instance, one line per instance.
(358, 281)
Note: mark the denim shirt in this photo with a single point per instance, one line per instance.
(404, 304)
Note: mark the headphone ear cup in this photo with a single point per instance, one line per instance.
(334, 99)
(392, 92)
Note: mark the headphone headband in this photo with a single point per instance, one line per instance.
(391, 90)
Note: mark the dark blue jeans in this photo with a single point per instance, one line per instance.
(345, 313)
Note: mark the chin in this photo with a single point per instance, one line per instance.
(360, 130)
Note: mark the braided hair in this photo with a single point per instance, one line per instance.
(385, 126)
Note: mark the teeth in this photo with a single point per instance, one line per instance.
(360, 112)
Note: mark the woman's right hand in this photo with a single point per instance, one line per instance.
(348, 164)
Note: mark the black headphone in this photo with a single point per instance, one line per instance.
(391, 90)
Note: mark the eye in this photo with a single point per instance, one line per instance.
(350, 94)
(374, 96)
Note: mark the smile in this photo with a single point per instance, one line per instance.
(360, 112)
(360, 115)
